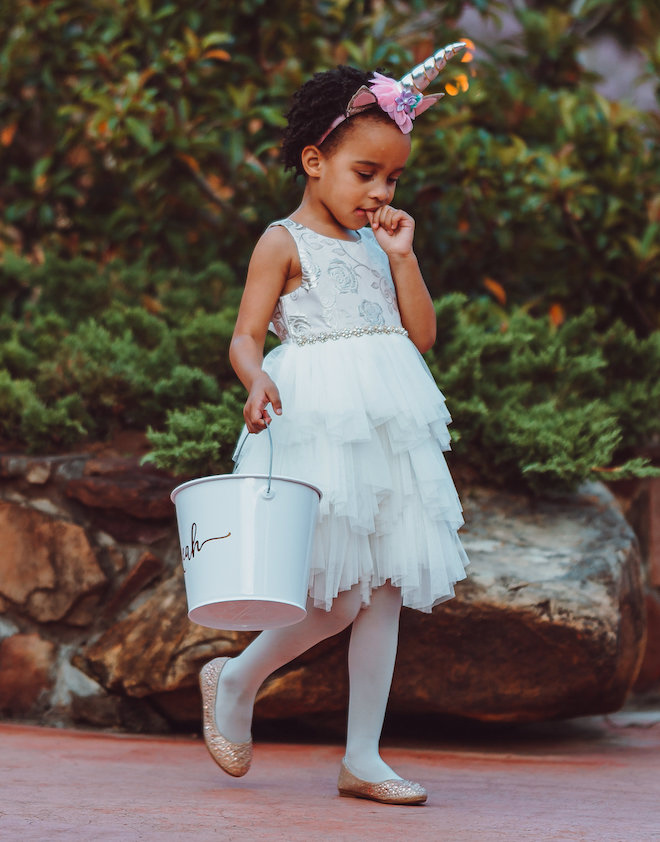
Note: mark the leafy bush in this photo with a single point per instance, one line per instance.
(24, 417)
(150, 127)
(535, 407)
(138, 146)
(137, 127)
(573, 220)
(100, 362)
(543, 407)
(535, 404)
(199, 440)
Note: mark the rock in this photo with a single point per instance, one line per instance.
(640, 501)
(70, 682)
(124, 486)
(47, 507)
(130, 530)
(549, 624)
(39, 470)
(7, 628)
(654, 533)
(48, 567)
(38, 473)
(156, 649)
(649, 673)
(70, 468)
(114, 553)
(147, 568)
(76, 697)
(26, 672)
(13, 466)
(109, 711)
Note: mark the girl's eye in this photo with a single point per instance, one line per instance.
(367, 176)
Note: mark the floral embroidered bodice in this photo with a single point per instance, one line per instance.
(346, 289)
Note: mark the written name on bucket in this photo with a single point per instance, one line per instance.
(189, 551)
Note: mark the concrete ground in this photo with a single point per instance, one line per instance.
(587, 780)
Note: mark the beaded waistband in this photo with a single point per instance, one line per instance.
(346, 333)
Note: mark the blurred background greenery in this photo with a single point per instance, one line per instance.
(139, 162)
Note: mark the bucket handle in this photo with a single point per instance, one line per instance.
(267, 493)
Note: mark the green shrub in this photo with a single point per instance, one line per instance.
(541, 407)
(149, 130)
(80, 343)
(536, 406)
(25, 418)
(138, 147)
(200, 440)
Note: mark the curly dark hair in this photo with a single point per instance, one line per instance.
(313, 108)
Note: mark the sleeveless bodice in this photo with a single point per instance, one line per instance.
(346, 289)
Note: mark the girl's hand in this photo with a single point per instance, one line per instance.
(393, 229)
(262, 393)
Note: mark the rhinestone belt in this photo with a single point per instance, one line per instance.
(347, 333)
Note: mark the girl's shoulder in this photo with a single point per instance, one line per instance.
(275, 252)
(276, 239)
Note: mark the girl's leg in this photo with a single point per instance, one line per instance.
(242, 676)
(371, 657)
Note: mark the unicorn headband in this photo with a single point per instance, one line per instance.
(402, 100)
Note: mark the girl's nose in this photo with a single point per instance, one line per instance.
(380, 191)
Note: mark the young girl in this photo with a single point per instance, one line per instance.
(352, 408)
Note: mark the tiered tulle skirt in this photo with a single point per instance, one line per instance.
(363, 420)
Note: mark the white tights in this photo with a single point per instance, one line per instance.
(371, 657)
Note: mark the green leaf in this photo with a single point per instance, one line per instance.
(214, 38)
(140, 131)
(144, 8)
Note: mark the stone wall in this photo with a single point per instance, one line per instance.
(93, 625)
(640, 502)
(83, 537)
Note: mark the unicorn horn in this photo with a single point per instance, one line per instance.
(421, 76)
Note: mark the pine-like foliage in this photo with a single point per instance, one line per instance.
(545, 407)
(93, 350)
(200, 440)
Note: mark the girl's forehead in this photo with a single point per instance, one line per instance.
(372, 140)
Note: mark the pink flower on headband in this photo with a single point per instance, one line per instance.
(395, 100)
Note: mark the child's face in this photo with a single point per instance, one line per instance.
(361, 173)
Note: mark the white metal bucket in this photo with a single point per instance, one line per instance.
(245, 545)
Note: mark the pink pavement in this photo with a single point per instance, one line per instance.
(587, 780)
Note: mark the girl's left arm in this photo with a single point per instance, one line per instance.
(394, 230)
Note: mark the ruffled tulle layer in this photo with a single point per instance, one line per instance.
(364, 421)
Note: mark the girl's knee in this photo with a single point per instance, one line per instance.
(386, 598)
(346, 607)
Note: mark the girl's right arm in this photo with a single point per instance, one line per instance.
(269, 270)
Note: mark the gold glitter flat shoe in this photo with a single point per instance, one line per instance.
(232, 758)
(393, 791)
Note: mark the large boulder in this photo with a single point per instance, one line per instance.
(550, 623)
(48, 569)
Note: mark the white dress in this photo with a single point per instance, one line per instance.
(363, 420)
